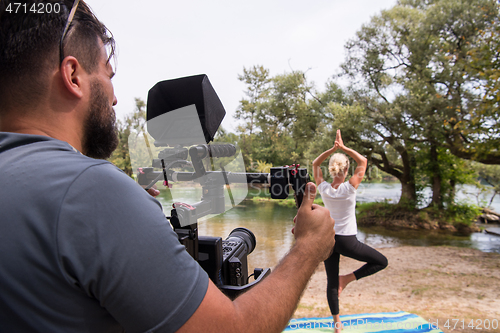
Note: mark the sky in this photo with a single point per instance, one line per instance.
(162, 40)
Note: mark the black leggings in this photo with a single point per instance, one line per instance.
(349, 246)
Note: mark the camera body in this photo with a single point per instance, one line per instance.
(225, 261)
(284, 177)
(183, 116)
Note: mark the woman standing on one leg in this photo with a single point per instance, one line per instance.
(340, 198)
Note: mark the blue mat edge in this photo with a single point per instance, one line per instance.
(348, 318)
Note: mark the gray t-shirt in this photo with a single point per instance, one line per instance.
(83, 248)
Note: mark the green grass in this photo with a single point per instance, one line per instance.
(380, 209)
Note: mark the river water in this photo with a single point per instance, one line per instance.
(392, 192)
(272, 223)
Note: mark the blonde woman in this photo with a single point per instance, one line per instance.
(339, 197)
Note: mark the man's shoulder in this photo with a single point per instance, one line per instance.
(10, 141)
(54, 165)
(46, 153)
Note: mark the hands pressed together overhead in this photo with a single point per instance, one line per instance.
(339, 144)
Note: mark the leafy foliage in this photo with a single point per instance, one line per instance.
(134, 121)
(412, 71)
(281, 118)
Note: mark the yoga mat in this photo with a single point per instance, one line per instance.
(390, 322)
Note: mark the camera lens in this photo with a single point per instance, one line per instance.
(245, 235)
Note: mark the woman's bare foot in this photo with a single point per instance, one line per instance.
(344, 280)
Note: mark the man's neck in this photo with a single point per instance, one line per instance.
(45, 127)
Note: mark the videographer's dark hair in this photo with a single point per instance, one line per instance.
(29, 46)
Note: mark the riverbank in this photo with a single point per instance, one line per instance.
(436, 283)
(460, 220)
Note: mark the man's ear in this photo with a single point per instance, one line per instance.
(72, 75)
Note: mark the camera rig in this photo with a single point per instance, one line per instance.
(176, 109)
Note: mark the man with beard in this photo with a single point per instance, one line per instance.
(83, 248)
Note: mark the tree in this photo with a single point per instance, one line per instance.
(490, 174)
(281, 119)
(410, 72)
(484, 67)
(257, 81)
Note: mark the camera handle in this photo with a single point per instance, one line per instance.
(234, 291)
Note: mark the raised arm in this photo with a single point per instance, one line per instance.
(360, 160)
(317, 173)
(269, 305)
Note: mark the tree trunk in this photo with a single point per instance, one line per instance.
(453, 191)
(437, 197)
(405, 174)
(408, 188)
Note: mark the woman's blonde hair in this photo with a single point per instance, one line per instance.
(338, 164)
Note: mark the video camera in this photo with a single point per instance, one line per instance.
(183, 116)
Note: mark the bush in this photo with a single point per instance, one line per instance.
(456, 214)
(462, 213)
